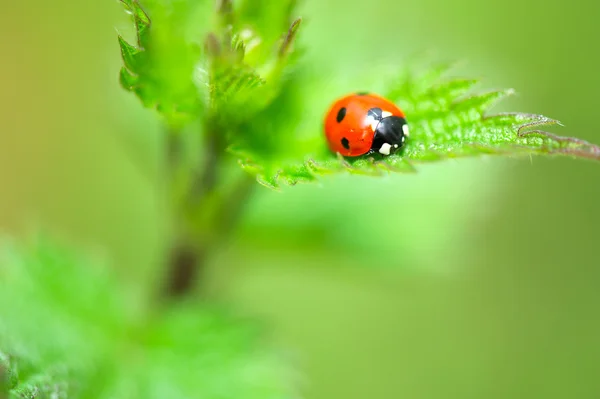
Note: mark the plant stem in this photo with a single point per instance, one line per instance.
(232, 208)
(183, 264)
(189, 257)
(191, 251)
(207, 179)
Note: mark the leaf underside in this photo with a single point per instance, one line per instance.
(445, 122)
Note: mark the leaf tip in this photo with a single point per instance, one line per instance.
(290, 37)
(212, 45)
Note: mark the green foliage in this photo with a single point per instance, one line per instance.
(245, 75)
(160, 67)
(192, 352)
(55, 312)
(445, 122)
(20, 380)
(190, 62)
(233, 72)
(67, 329)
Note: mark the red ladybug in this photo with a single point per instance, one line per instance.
(360, 124)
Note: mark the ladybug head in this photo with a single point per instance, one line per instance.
(390, 134)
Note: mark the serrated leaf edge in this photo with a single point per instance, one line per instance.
(522, 130)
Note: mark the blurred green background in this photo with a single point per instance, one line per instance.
(482, 281)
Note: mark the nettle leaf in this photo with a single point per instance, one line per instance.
(160, 67)
(444, 122)
(58, 316)
(140, 19)
(246, 76)
(193, 56)
(68, 329)
(8, 375)
(18, 379)
(263, 23)
(205, 353)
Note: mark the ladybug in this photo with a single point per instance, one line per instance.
(362, 124)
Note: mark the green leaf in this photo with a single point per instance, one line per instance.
(8, 375)
(140, 19)
(128, 80)
(199, 61)
(130, 55)
(245, 71)
(20, 380)
(58, 316)
(68, 329)
(162, 67)
(206, 353)
(444, 123)
(267, 18)
(290, 37)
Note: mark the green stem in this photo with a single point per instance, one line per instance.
(205, 227)
(206, 181)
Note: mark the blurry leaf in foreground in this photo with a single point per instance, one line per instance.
(67, 329)
(59, 316)
(444, 123)
(203, 353)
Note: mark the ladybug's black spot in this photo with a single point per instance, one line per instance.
(341, 114)
(345, 143)
(375, 113)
